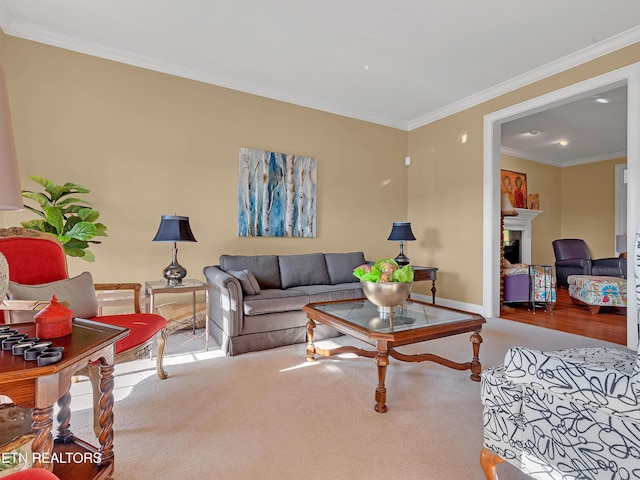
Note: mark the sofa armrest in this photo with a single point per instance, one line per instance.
(617, 263)
(226, 300)
(601, 378)
(584, 263)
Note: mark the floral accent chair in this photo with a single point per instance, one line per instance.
(567, 414)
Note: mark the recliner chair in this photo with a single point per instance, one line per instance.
(573, 258)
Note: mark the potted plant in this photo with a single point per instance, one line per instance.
(70, 219)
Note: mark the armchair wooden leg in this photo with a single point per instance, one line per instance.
(488, 461)
(162, 339)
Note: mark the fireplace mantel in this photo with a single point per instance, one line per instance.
(522, 223)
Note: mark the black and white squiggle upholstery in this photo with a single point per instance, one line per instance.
(567, 414)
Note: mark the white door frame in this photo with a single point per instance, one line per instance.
(620, 200)
(491, 198)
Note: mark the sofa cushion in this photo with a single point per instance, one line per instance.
(78, 292)
(247, 281)
(275, 300)
(306, 269)
(328, 293)
(263, 267)
(340, 266)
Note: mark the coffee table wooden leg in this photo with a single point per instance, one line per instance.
(310, 348)
(476, 368)
(382, 360)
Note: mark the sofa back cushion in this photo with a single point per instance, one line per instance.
(340, 266)
(306, 269)
(263, 267)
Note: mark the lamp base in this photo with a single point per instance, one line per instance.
(402, 260)
(174, 273)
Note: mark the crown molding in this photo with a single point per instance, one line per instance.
(22, 30)
(29, 32)
(592, 52)
(559, 163)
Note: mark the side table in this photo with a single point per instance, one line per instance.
(153, 288)
(426, 273)
(40, 387)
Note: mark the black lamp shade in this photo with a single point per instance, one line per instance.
(174, 228)
(401, 231)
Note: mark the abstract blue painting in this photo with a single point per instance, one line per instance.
(276, 194)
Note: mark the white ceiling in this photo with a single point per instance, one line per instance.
(401, 63)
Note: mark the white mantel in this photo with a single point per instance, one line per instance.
(522, 223)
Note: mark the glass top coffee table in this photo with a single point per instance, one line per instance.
(413, 322)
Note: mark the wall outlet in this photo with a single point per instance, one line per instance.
(407, 161)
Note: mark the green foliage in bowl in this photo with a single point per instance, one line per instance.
(384, 270)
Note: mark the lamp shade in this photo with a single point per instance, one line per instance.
(506, 207)
(401, 231)
(10, 190)
(174, 228)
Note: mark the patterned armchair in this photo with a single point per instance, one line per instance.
(568, 414)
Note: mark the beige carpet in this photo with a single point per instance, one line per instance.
(272, 415)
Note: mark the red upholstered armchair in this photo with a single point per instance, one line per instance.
(32, 474)
(37, 258)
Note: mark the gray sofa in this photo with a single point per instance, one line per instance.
(256, 301)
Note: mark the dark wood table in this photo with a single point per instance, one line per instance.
(426, 273)
(39, 388)
(412, 323)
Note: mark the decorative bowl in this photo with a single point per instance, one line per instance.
(386, 295)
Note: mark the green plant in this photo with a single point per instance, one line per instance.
(70, 219)
(384, 270)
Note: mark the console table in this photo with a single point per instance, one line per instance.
(39, 388)
(426, 273)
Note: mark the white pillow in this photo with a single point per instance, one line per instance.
(78, 292)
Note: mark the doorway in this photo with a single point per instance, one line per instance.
(629, 76)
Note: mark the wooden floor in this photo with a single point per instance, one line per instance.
(609, 325)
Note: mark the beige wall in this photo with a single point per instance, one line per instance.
(588, 205)
(576, 202)
(148, 144)
(454, 173)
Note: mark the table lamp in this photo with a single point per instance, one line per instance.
(10, 190)
(174, 228)
(401, 232)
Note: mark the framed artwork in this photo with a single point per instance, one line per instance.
(515, 184)
(534, 201)
(276, 194)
